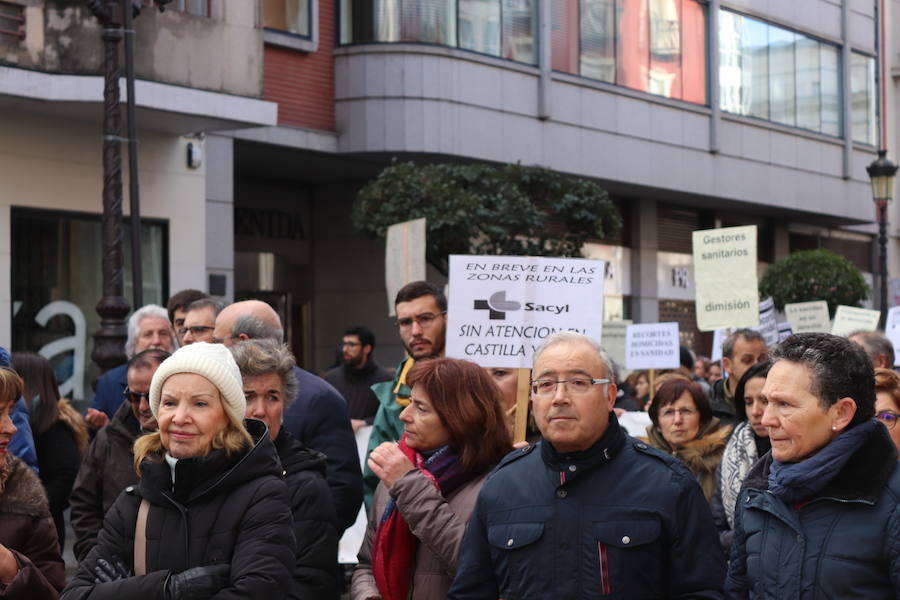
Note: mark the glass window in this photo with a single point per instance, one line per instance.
(863, 99)
(598, 40)
(633, 63)
(292, 16)
(479, 26)
(56, 283)
(520, 30)
(754, 68)
(665, 48)
(693, 52)
(782, 80)
(730, 57)
(809, 84)
(831, 90)
(564, 36)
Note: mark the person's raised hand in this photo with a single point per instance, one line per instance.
(96, 419)
(389, 463)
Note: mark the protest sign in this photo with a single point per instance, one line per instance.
(614, 333)
(768, 325)
(719, 336)
(652, 346)
(502, 307)
(725, 277)
(848, 319)
(784, 331)
(404, 257)
(892, 331)
(808, 317)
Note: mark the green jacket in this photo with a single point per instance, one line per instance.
(387, 426)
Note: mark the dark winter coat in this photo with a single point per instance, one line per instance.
(106, 470)
(110, 390)
(318, 419)
(27, 529)
(843, 543)
(222, 509)
(58, 459)
(315, 523)
(619, 520)
(355, 385)
(722, 404)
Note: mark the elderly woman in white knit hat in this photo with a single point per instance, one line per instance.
(210, 513)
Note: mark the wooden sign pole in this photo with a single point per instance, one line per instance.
(652, 384)
(523, 393)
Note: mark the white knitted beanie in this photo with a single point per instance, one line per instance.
(215, 363)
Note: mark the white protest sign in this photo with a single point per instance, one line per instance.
(719, 336)
(614, 333)
(502, 307)
(848, 319)
(892, 331)
(652, 346)
(404, 257)
(725, 277)
(784, 331)
(768, 325)
(808, 317)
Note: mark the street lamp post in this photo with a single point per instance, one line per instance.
(882, 172)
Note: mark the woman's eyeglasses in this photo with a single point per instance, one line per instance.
(888, 417)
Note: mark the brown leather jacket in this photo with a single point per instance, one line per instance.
(439, 525)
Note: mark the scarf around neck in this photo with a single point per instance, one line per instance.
(394, 545)
(800, 481)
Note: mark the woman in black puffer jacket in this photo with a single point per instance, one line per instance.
(217, 516)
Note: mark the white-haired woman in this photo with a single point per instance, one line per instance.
(270, 386)
(209, 515)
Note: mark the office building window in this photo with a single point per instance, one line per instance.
(863, 96)
(503, 28)
(655, 46)
(290, 16)
(772, 73)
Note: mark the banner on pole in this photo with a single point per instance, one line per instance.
(502, 307)
(725, 278)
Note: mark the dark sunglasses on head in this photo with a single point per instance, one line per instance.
(135, 397)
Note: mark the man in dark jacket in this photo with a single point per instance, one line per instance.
(740, 351)
(108, 467)
(357, 374)
(589, 511)
(317, 418)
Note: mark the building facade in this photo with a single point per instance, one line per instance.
(692, 114)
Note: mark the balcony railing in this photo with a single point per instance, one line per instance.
(12, 20)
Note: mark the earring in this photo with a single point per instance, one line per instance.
(834, 428)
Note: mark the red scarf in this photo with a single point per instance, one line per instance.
(394, 545)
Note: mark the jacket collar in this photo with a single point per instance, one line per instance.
(862, 478)
(574, 464)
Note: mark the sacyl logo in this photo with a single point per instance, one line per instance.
(497, 306)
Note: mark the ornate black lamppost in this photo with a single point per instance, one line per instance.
(882, 172)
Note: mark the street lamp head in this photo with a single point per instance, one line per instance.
(882, 173)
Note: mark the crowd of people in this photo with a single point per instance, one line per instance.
(211, 465)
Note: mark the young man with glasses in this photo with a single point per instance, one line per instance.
(108, 467)
(356, 375)
(421, 309)
(200, 321)
(588, 511)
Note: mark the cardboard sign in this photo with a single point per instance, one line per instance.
(725, 278)
(719, 336)
(848, 319)
(614, 334)
(768, 325)
(502, 307)
(808, 317)
(892, 331)
(652, 346)
(784, 331)
(404, 257)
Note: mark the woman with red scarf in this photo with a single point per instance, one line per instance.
(454, 433)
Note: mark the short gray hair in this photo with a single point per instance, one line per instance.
(573, 337)
(875, 344)
(257, 329)
(261, 357)
(148, 311)
(216, 304)
(748, 335)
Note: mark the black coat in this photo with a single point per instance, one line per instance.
(222, 509)
(315, 522)
(620, 520)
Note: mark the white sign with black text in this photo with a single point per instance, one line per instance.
(502, 307)
(652, 346)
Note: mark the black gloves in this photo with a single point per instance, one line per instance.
(111, 570)
(198, 583)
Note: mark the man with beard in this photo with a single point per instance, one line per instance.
(108, 466)
(421, 309)
(356, 375)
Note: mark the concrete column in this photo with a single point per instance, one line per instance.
(219, 159)
(644, 284)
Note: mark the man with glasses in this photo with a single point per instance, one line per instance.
(108, 466)
(588, 511)
(356, 374)
(421, 309)
(200, 321)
